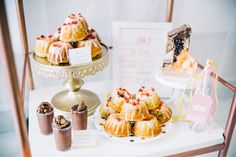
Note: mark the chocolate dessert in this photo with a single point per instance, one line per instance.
(79, 116)
(177, 59)
(45, 115)
(62, 132)
(178, 39)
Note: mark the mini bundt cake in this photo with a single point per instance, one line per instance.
(74, 28)
(118, 98)
(42, 45)
(78, 17)
(91, 41)
(149, 97)
(163, 113)
(115, 126)
(134, 110)
(148, 127)
(106, 110)
(59, 52)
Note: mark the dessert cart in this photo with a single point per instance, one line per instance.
(187, 143)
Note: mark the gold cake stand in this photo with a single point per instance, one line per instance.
(72, 74)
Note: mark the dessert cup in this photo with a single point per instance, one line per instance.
(62, 138)
(79, 119)
(62, 133)
(45, 122)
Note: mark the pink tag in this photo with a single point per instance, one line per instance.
(199, 108)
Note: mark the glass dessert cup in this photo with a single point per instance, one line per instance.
(79, 119)
(45, 122)
(79, 116)
(62, 138)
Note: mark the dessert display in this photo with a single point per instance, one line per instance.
(149, 96)
(74, 33)
(148, 127)
(142, 115)
(42, 45)
(62, 133)
(163, 113)
(177, 61)
(134, 110)
(117, 126)
(45, 115)
(79, 115)
(59, 52)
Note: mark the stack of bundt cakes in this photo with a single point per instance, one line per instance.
(73, 33)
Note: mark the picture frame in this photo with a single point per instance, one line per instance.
(138, 50)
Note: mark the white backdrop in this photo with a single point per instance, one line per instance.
(213, 23)
(214, 36)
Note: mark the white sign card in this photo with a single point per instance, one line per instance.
(80, 55)
(139, 49)
(84, 138)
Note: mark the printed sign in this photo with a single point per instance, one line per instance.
(84, 138)
(139, 51)
(200, 108)
(80, 55)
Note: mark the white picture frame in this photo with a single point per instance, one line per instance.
(131, 42)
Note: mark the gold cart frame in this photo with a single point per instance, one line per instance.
(17, 94)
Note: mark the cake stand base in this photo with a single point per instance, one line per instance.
(178, 85)
(65, 99)
(72, 74)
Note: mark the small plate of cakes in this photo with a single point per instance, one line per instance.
(133, 118)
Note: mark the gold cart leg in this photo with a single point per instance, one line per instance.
(170, 6)
(7, 60)
(24, 42)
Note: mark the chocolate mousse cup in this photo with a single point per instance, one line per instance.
(62, 133)
(79, 116)
(45, 115)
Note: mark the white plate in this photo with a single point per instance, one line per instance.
(99, 122)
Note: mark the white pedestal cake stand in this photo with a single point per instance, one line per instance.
(72, 74)
(177, 84)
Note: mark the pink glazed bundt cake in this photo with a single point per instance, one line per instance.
(74, 28)
(91, 41)
(42, 45)
(118, 98)
(59, 52)
(134, 110)
(149, 97)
